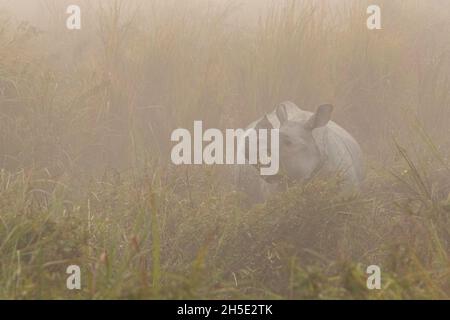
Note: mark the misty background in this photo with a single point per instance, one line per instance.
(85, 123)
(239, 65)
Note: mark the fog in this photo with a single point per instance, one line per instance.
(86, 175)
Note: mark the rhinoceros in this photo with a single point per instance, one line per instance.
(309, 144)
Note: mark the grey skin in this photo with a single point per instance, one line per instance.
(310, 144)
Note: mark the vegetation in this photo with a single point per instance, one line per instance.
(85, 118)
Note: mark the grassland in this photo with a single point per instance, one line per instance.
(85, 118)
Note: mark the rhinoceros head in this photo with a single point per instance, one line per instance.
(299, 154)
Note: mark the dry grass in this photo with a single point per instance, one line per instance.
(84, 134)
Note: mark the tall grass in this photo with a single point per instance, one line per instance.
(85, 121)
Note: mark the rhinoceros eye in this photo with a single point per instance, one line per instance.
(287, 142)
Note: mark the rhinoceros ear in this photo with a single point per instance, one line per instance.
(264, 123)
(321, 117)
(282, 114)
